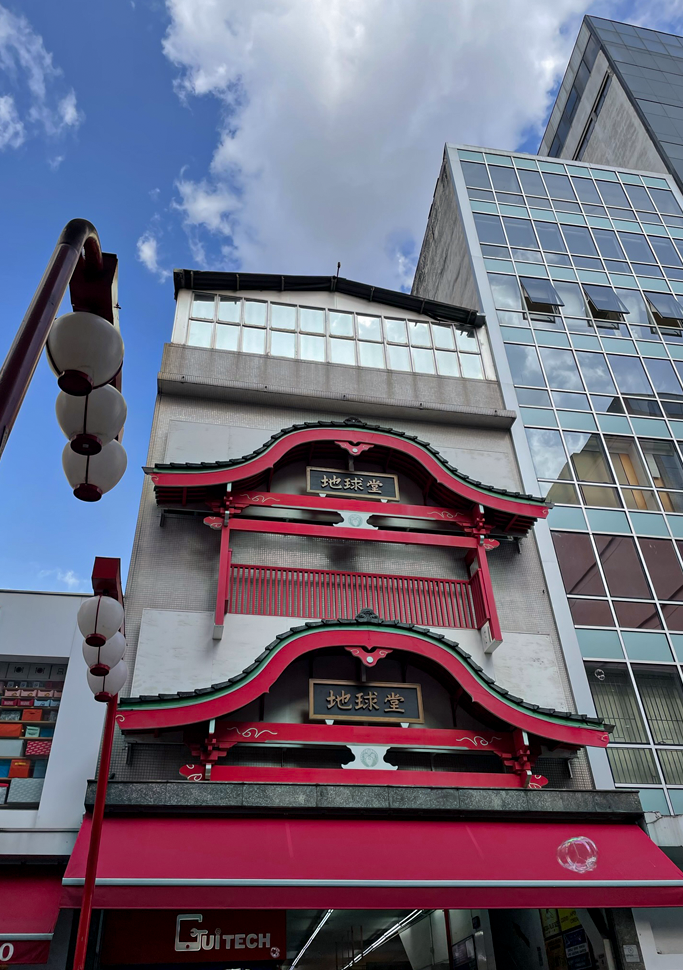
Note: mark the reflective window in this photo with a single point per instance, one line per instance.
(662, 697)
(504, 179)
(633, 766)
(637, 310)
(520, 233)
(476, 175)
(489, 229)
(665, 201)
(588, 459)
(532, 183)
(596, 373)
(572, 297)
(229, 309)
(506, 292)
(663, 462)
(341, 324)
(579, 568)
(559, 186)
(626, 460)
(615, 701)
(284, 317)
(629, 374)
(639, 197)
(579, 240)
(591, 612)
(524, 365)
(664, 568)
(622, 568)
(665, 250)
(203, 305)
(550, 236)
(548, 454)
(663, 376)
(608, 244)
(255, 313)
(561, 369)
(313, 321)
(613, 194)
(637, 248)
(586, 190)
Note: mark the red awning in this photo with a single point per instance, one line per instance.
(29, 906)
(276, 863)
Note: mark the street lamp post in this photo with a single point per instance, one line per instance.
(85, 350)
(101, 620)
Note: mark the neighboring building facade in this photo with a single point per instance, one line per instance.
(579, 272)
(332, 487)
(49, 741)
(621, 100)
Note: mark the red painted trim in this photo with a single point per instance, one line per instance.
(224, 558)
(229, 733)
(356, 776)
(343, 532)
(298, 645)
(489, 602)
(279, 449)
(281, 500)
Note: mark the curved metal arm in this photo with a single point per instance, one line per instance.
(78, 237)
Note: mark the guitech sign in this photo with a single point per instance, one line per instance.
(222, 936)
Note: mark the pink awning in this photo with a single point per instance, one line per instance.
(29, 906)
(277, 863)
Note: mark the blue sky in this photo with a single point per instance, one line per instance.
(268, 135)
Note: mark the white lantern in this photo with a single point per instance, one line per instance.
(99, 618)
(93, 421)
(104, 688)
(85, 351)
(92, 476)
(100, 660)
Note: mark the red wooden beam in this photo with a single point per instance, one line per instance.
(272, 526)
(369, 776)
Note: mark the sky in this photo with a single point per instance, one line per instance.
(257, 135)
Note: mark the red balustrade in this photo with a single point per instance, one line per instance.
(324, 594)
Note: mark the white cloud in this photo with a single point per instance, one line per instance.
(67, 577)
(148, 254)
(39, 103)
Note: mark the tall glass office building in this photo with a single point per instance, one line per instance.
(579, 271)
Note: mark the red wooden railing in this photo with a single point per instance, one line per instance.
(324, 594)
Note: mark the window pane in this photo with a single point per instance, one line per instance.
(637, 311)
(665, 250)
(620, 563)
(203, 305)
(586, 191)
(369, 328)
(572, 297)
(665, 201)
(447, 364)
(588, 457)
(227, 337)
(550, 236)
(663, 463)
(591, 613)
(672, 767)
(342, 351)
(341, 324)
(520, 233)
(662, 697)
(639, 198)
(489, 229)
(664, 568)
(548, 454)
(471, 366)
(371, 355)
(615, 701)
(629, 374)
(504, 179)
(398, 357)
(255, 313)
(229, 309)
(396, 331)
(580, 573)
(559, 186)
(253, 341)
(200, 334)
(312, 321)
(640, 616)
(423, 361)
(283, 317)
(283, 344)
(506, 292)
(563, 493)
(579, 241)
(312, 348)
(475, 175)
(443, 338)
(633, 766)
(600, 497)
(561, 369)
(467, 341)
(636, 247)
(524, 365)
(627, 461)
(613, 194)
(663, 377)
(419, 334)
(608, 244)
(532, 183)
(595, 373)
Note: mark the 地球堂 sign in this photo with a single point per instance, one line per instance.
(331, 481)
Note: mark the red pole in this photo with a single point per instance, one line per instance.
(24, 354)
(95, 836)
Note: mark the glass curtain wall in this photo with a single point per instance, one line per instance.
(585, 267)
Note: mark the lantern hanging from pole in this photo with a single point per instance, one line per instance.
(92, 421)
(106, 688)
(91, 476)
(102, 659)
(85, 351)
(99, 618)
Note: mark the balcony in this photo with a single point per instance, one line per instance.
(327, 594)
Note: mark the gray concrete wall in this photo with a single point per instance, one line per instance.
(444, 269)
